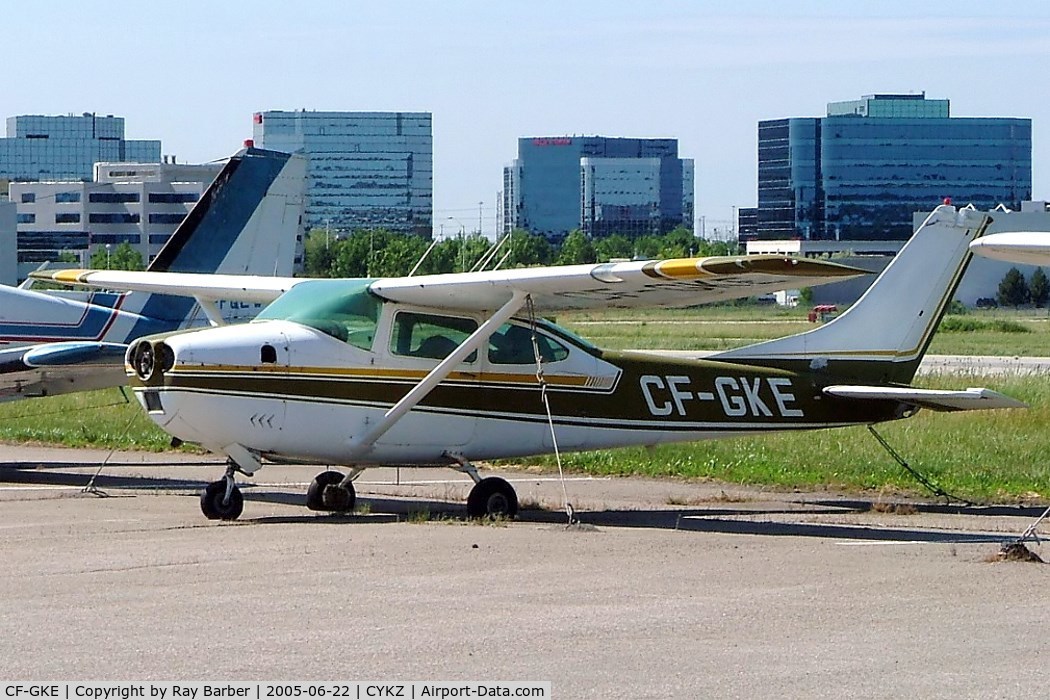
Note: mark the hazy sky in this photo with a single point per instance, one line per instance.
(191, 73)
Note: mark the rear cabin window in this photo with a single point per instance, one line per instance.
(430, 336)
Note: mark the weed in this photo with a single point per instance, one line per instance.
(894, 508)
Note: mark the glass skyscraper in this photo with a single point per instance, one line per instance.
(366, 170)
(67, 147)
(597, 184)
(860, 172)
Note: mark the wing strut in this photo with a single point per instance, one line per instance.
(409, 401)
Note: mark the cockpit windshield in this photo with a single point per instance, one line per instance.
(343, 309)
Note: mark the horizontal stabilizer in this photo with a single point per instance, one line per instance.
(972, 399)
(67, 354)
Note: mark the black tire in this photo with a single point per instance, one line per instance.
(346, 498)
(315, 493)
(213, 507)
(492, 497)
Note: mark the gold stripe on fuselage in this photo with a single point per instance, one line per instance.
(515, 378)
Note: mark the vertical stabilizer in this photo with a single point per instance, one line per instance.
(886, 332)
(248, 221)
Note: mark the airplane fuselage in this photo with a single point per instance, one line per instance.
(289, 391)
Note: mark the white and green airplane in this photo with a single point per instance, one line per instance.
(446, 370)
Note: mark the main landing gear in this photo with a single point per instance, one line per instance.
(332, 491)
(491, 497)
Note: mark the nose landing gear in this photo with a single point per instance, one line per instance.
(222, 500)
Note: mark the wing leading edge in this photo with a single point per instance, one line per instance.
(663, 283)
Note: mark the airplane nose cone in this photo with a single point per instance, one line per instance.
(150, 359)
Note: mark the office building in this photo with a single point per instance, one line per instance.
(862, 170)
(67, 147)
(8, 243)
(365, 170)
(137, 203)
(598, 184)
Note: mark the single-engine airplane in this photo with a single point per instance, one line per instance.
(246, 222)
(445, 370)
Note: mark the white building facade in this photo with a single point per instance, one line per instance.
(136, 203)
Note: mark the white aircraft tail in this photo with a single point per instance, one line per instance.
(248, 221)
(893, 321)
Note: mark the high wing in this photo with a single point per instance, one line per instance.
(664, 283)
(1023, 247)
(972, 399)
(204, 287)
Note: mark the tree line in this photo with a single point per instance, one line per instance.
(382, 253)
(1015, 291)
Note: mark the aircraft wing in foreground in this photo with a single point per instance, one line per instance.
(247, 221)
(451, 369)
(1022, 247)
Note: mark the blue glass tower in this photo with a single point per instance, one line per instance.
(67, 147)
(862, 171)
(600, 185)
(365, 170)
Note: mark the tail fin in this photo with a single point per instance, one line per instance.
(248, 221)
(887, 331)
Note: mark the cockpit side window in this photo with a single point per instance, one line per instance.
(430, 336)
(512, 345)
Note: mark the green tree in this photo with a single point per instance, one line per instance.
(1013, 290)
(707, 248)
(319, 253)
(805, 296)
(397, 256)
(614, 246)
(122, 257)
(1039, 287)
(68, 256)
(528, 249)
(576, 249)
(648, 247)
(678, 243)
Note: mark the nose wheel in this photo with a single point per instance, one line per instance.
(222, 500)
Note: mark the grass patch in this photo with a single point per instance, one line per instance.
(978, 332)
(87, 419)
(989, 456)
(967, 324)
